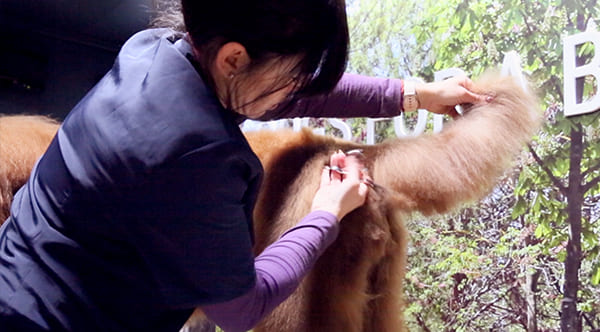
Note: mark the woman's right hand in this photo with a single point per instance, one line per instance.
(339, 193)
(441, 97)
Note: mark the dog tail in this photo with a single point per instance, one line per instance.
(434, 173)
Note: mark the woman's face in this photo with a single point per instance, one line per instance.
(254, 93)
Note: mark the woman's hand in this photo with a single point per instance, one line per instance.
(341, 193)
(441, 97)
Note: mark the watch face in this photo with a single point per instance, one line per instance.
(410, 103)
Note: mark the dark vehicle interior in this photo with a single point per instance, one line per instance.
(54, 51)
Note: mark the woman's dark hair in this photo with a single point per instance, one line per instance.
(317, 30)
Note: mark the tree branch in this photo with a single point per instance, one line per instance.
(421, 323)
(556, 85)
(589, 322)
(553, 178)
(592, 169)
(591, 184)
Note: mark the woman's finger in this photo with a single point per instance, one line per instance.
(363, 190)
(337, 161)
(325, 179)
(353, 168)
(470, 95)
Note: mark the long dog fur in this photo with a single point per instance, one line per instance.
(23, 139)
(357, 285)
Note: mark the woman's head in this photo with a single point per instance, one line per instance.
(300, 45)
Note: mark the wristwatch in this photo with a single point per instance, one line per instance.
(410, 102)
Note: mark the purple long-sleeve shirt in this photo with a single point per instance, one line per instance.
(354, 96)
(279, 270)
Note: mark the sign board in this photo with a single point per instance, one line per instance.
(572, 72)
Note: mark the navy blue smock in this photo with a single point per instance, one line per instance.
(140, 209)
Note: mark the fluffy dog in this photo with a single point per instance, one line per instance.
(23, 139)
(357, 284)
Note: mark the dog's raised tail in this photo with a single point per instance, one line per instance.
(434, 173)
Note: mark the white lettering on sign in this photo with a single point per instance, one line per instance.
(511, 66)
(572, 72)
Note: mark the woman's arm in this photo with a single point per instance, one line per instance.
(282, 265)
(279, 270)
(354, 96)
(363, 96)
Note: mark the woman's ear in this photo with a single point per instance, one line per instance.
(230, 59)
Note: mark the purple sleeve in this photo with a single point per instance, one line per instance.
(354, 96)
(279, 270)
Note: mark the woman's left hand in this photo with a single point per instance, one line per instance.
(340, 193)
(441, 97)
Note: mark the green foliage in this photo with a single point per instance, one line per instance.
(380, 36)
(525, 231)
(468, 269)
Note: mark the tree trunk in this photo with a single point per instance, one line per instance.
(569, 316)
(570, 320)
(530, 289)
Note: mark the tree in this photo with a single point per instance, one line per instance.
(476, 35)
(556, 201)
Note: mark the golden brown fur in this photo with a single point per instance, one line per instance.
(357, 284)
(23, 139)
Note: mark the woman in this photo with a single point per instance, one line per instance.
(141, 208)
